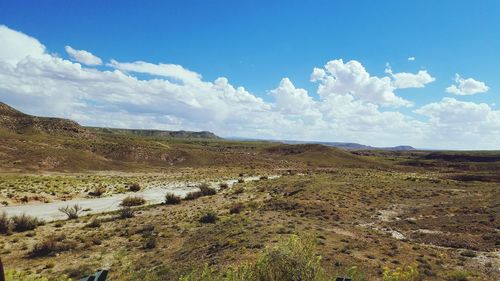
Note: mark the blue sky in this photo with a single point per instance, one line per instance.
(255, 44)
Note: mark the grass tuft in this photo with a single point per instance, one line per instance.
(24, 223)
(236, 208)
(134, 187)
(206, 190)
(4, 223)
(208, 217)
(51, 246)
(126, 212)
(133, 201)
(172, 199)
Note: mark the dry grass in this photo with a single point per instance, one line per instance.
(24, 222)
(98, 191)
(172, 199)
(348, 212)
(130, 201)
(208, 217)
(206, 190)
(51, 246)
(5, 223)
(236, 208)
(193, 195)
(126, 212)
(134, 187)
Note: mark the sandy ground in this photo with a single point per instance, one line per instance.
(50, 211)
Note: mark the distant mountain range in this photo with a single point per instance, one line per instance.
(16, 121)
(356, 146)
(341, 145)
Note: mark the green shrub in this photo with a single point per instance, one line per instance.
(133, 201)
(172, 199)
(4, 223)
(354, 273)
(72, 212)
(458, 275)
(405, 273)
(24, 222)
(292, 260)
(13, 275)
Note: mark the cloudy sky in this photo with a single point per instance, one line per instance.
(418, 73)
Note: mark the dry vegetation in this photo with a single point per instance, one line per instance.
(368, 223)
(370, 215)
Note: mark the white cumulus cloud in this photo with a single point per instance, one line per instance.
(469, 86)
(405, 80)
(83, 56)
(172, 71)
(349, 103)
(339, 78)
(16, 46)
(462, 124)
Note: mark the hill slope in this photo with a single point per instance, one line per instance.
(52, 144)
(21, 123)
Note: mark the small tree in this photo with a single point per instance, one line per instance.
(71, 211)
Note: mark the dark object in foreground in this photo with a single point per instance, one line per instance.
(2, 275)
(343, 279)
(98, 276)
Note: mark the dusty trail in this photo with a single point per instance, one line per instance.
(50, 211)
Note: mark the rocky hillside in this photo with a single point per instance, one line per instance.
(18, 122)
